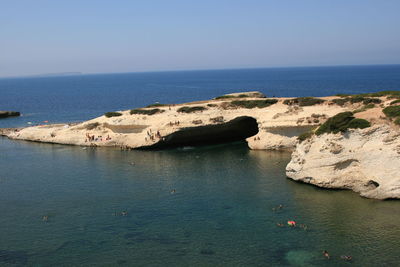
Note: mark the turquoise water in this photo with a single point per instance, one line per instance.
(220, 214)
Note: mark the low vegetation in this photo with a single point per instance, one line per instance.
(304, 136)
(147, 111)
(356, 99)
(364, 108)
(392, 111)
(389, 94)
(91, 126)
(218, 119)
(212, 105)
(253, 103)
(187, 109)
(395, 102)
(113, 114)
(341, 122)
(303, 101)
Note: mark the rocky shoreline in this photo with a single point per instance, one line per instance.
(363, 160)
(6, 114)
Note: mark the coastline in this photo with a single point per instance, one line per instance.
(264, 123)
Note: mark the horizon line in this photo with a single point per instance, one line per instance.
(78, 73)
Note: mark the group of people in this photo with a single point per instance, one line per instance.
(292, 223)
(173, 123)
(93, 138)
(152, 136)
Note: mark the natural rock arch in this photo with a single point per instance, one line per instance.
(237, 129)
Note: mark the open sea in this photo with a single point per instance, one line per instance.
(69, 206)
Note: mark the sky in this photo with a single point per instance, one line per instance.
(102, 36)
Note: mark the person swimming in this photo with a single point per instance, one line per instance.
(291, 223)
(173, 191)
(326, 254)
(346, 257)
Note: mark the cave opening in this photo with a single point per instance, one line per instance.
(234, 130)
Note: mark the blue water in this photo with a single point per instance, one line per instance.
(103, 210)
(77, 98)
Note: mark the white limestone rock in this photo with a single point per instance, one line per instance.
(366, 161)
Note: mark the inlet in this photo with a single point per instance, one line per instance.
(237, 129)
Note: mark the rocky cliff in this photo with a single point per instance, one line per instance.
(366, 161)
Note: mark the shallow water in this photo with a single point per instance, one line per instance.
(220, 214)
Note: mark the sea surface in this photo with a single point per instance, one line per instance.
(205, 206)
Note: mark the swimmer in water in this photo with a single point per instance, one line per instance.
(173, 191)
(326, 254)
(346, 258)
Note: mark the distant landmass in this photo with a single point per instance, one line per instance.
(72, 73)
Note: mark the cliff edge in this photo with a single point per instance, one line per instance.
(366, 161)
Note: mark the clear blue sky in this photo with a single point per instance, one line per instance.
(91, 36)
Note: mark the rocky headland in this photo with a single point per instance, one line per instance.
(344, 142)
(6, 114)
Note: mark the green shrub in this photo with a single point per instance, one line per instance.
(212, 105)
(356, 99)
(359, 123)
(113, 114)
(146, 111)
(397, 121)
(383, 93)
(340, 101)
(392, 111)
(187, 109)
(367, 101)
(395, 102)
(91, 126)
(341, 122)
(305, 136)
(389, 94)
(253, 103)
(303, 101)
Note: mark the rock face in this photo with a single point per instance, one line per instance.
(366, 161)
(6, 114)
(235, 130)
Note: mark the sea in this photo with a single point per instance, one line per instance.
(221, 205)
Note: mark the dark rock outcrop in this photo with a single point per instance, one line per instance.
(237, 129)
(6, 114)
